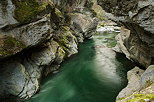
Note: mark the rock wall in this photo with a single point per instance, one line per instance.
(35, 37)
(137, 16)
(136, 41)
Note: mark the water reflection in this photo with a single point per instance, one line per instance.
(91, 76)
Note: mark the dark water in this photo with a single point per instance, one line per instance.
(95, 74)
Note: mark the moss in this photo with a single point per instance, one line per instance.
(12, 42)
(148, 83)
(28, 9)
(11, 46)
(64, 38)
(61, 52)
(58, 13)
(99, 12)
(138, 98)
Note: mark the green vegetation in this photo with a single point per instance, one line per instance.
(148, 83)
(64, 38)
(141, 97)
(28, 9)
(138, 98)
(11, 46)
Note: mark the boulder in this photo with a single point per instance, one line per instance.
(133, 77)
(140, 86)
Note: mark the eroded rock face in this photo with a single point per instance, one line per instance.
(35, 37)
(137, 16)
(134, 48)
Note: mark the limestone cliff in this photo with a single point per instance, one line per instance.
(35, 37)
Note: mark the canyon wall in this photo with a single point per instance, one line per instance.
(137, 16)
(35, 37)
(136, 41)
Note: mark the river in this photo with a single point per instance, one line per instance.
(95, 74)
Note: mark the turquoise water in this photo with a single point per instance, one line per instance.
(95, 74)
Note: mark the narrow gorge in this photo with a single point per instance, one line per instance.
(77, 50)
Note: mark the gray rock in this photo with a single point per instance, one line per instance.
(19, 80)
(139, 82)
(33, 33)
(32, 78)
(144, 95)
(147, 77)
(84, 24)
(66, 40)
(134, 48)
(46, 55)
(47, 41)
(137, 16)
(12, 78)
(133, 77)
(7, 9)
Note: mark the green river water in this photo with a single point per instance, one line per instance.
(95, 74)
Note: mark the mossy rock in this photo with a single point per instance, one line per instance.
(64, 38)
(10, 45)
(138, 98)
(26, 10)
(141, 98)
